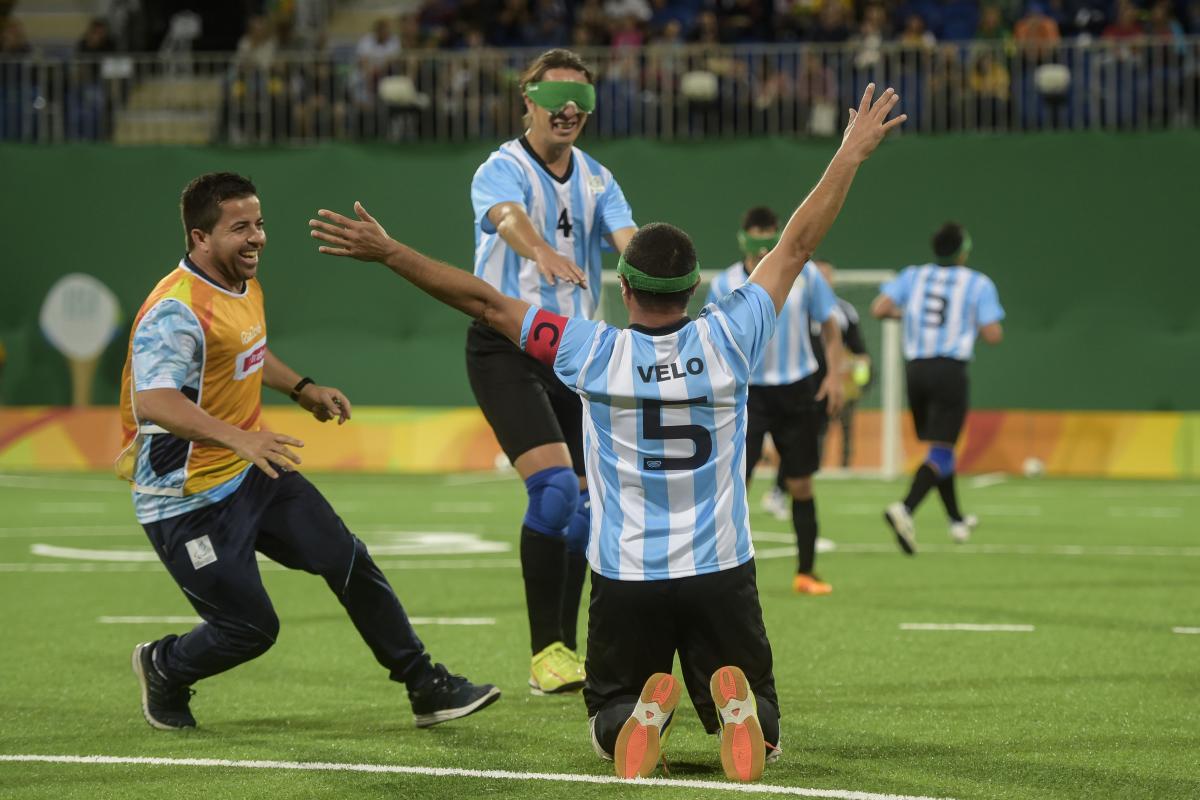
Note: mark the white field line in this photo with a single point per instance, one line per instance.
(1185, 630)
(463, 508)
(1146, 512)
(489, 774)
(194, 620)
(1116, 551)
(54, 531)
(57, 484)
(988, 479)
(271, 566)
(964, 626)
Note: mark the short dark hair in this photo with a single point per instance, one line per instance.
(759, 217)
(558, 58)
(200, 203)
(948, 240)
(663, 251)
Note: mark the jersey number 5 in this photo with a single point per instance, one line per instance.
(653, 428)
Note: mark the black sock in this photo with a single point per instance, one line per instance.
(780, 481)
(543, 565)
(577, 570)
(923, 481)
(949, 493)
(804, 522)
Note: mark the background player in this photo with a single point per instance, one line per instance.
(672, 559)
(211, 489)
(543, 208)
(785, 395)
(943, 306)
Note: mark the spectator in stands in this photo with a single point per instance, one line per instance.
(88, 112)
(991, 26)
(832, 23)
(590, 16)
(817, 93)
(1036, 34)
(256, 48)
(619, 9)
(707, 30)
(1163, 26)
(551, 27)
(12, 37)
(375, 54)
(989, 81)
(1127, 25)
(872, 33)
(513, 26)
(664, 12)
(915, 34)
(627, 34)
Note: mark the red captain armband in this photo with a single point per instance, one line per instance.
(545, 335)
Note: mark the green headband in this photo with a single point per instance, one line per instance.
(964, 250)
(753, 245)
(554, 95)
(649, 283)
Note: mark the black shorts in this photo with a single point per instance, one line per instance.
(523, 400)
(793, 417)
(713, 620)
(937, 395)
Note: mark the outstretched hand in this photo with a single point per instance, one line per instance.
(869, 123)
(363, 238)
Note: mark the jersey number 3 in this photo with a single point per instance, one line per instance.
(564, 223)
(653, 429)
(934, 312)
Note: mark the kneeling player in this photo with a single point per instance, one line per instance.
(664, 421)
(943, 306)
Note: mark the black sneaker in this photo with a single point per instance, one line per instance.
(444, 697)
(164, 704)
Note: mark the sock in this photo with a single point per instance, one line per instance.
(804, 521)
(923, 481)
(949, 493)
(577, 570)
(543, 567)
(780, 481)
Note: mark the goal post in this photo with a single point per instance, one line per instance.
(877, 450)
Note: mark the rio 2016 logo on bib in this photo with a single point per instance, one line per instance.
(250, 361)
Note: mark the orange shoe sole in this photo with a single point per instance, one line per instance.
(639, 743)
(743, 751)
(802, 584)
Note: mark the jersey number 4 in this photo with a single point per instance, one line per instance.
(564, 223)
(653, 429)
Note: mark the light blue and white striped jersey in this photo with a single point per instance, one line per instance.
(943, 308)
(572, 214)
(664, 427)
(789, 355)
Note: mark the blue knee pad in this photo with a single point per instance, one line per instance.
(941, 458)
(553, 496)
(581, 525)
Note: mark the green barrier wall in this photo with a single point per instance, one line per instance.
(1088, 237)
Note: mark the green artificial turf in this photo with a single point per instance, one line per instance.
(1099, 701)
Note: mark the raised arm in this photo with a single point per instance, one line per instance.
(811, 221)
(366, 240)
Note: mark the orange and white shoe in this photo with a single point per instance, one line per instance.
(810, 584)
(743, 753)
(640, 742)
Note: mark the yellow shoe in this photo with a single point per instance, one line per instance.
(555, 670)
(644, 734)
(743, 751)
(810, 584)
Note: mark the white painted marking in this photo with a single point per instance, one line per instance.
(144, 566)
(1008, 511)
(988, 479)
(112, 485)
(452, 620)
(81, 554)
(463, 508)
(964, 626)
(70, 508)
(72, 531)
(168, 620)
(1146, 512)
(1186, 630)
(447, 772)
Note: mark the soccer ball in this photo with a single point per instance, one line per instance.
(1033, 467)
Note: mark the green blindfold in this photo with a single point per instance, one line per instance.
(554, 95)
(755, 245)
(964, 252)
(651, 283)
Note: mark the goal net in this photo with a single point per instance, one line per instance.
(874, 442)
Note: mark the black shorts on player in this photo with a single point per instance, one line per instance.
(523, 401)
(938, 397)
(636, 627)
(793, 417)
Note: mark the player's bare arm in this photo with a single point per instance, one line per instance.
(992, 333)
(811, 221)
(516, 229)
(883, 307)
(366, 240)
(323, 402)
(619, 239)
(171, 410)
(832, 389)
